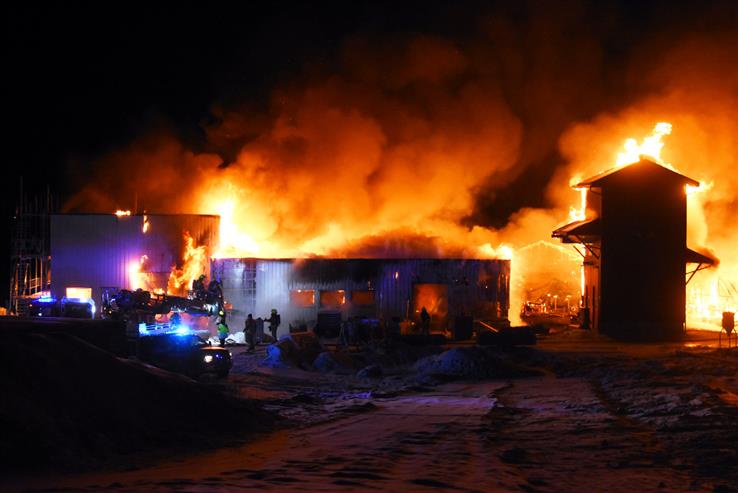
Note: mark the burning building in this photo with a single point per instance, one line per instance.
(97, 254)
(92, 254)
(304, 289)
(634, 233)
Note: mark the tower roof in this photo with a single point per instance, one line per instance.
(644, 164)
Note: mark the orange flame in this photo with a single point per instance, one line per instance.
(195, 264)
(137, 279)
(121, 213)
(579, 213)
(650, 146)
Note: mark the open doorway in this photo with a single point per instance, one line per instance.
(434, 297)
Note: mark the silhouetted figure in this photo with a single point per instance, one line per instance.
(424, 322)
(198, 287)
(249, 331)
(274, 321)
(215, 292)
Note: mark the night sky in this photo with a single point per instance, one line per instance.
(84, 79)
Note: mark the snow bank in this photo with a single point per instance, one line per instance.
(67, 404)
(336, 362)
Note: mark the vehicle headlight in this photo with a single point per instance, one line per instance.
(208, 358)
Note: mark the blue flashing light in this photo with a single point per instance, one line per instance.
(142, 328)
(88, 301)
(181, 330)
(46, 299)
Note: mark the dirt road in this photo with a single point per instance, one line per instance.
(543, 434)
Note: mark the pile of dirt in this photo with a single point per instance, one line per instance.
(473, 363)
(69, 405)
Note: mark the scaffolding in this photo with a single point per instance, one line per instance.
(30, 254)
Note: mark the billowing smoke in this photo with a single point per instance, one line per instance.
(450, 145)
(417, 135)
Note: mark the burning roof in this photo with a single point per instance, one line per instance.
(644, 163)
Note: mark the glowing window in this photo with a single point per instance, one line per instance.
(79, 293)
(363, 298)
(333, 299)
(302, 297)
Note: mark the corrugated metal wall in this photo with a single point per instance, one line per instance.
(97, 250)
(478, 287)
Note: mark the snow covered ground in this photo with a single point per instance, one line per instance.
(597, 416)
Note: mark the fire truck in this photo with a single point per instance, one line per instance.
(170, 344)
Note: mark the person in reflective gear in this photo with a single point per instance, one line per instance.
(222, 331)
(249, 332)
(274, 321)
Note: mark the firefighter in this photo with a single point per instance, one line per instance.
(424, 322)
(215, 292)
(249, 331)
(274, 321)
(198, 287)
(222, 331)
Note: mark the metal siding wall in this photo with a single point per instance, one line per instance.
(272, 291)
(466, 280)
(309, 315)
(92, 251)
(238, 282)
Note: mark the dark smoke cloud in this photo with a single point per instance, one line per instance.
(430, 133)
